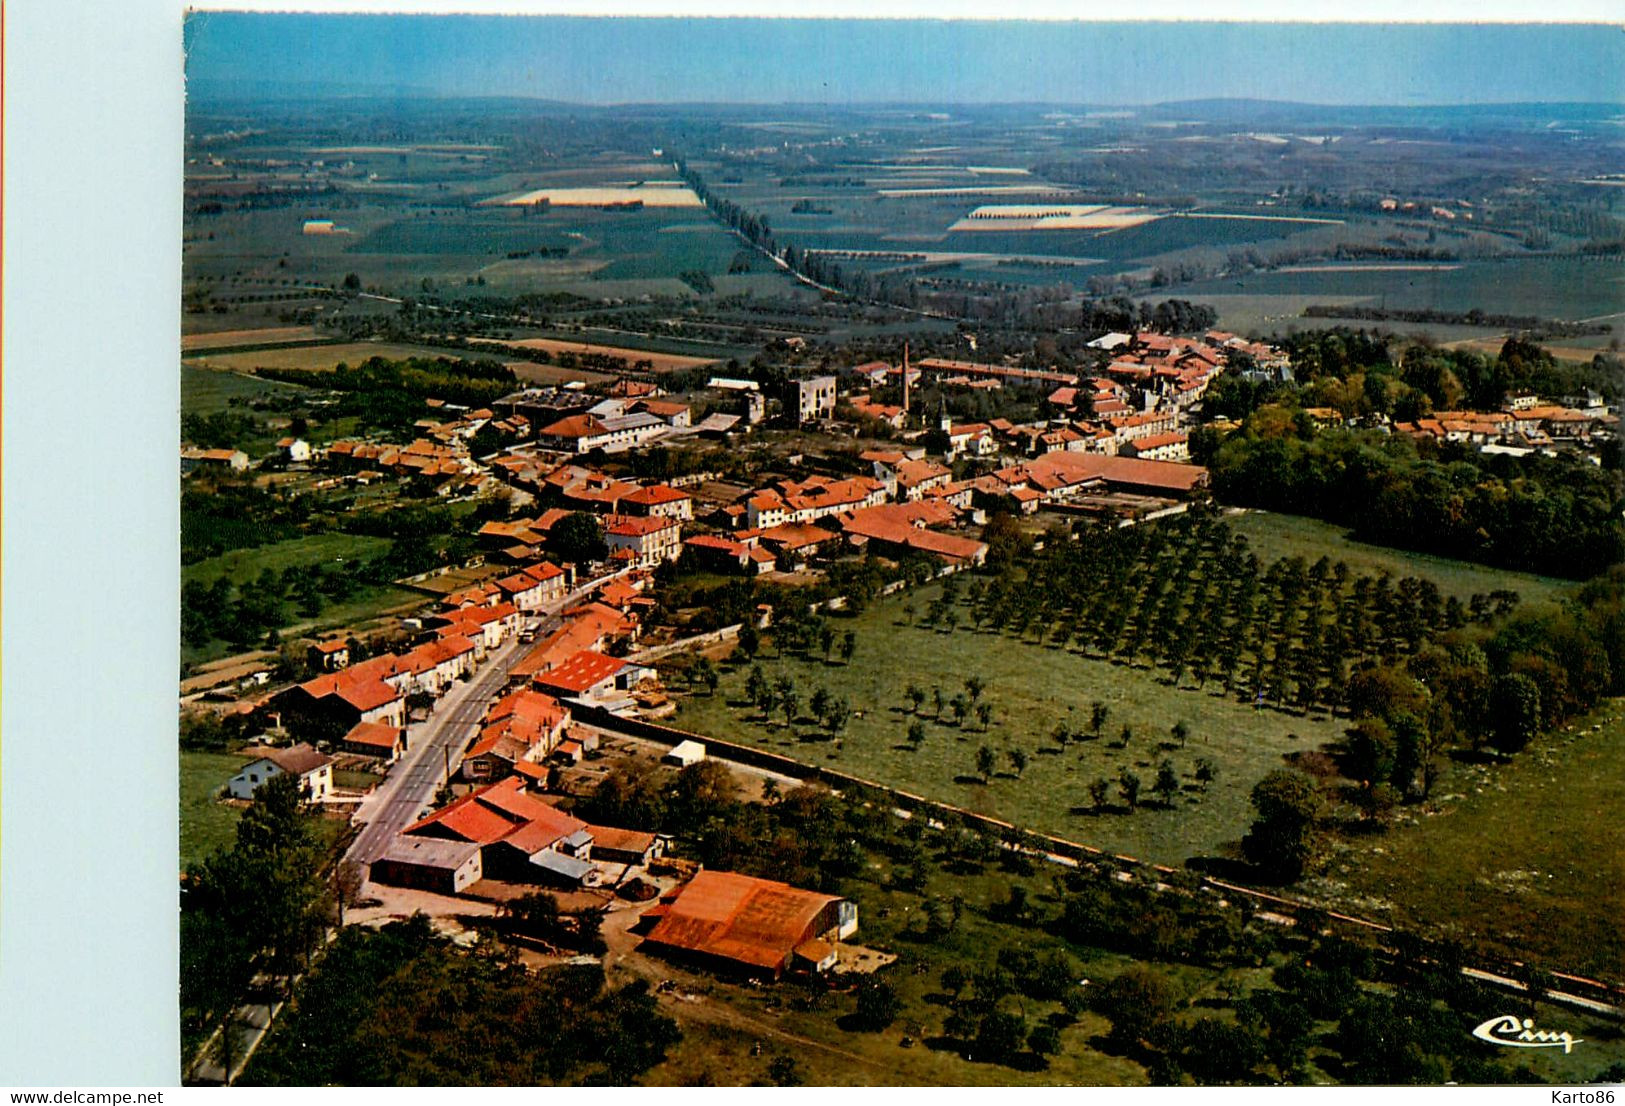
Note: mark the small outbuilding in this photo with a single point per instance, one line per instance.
(685, 753)
(375, 739)
(428, 864)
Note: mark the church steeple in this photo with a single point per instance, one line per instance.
(905, 381)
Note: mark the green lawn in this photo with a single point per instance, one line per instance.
(206, 391)
(1032, 689)
(206, 823)
(244, 565)
(1273, 536)
(1524, 858)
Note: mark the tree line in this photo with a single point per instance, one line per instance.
(389, 394)
(1555, 516)
(403, 1006)
(1189, 597)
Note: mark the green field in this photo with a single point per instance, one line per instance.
(1547, 287)
(484, 231)
(244, 565)
(1032, 689)
(1526, 858)
(206, 823)
(205, 391)
(317, 357)
(1273, 536)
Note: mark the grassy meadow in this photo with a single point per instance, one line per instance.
(1273, 536)
(205, 392)
(1032, 689)
(1522, 858)
(206, 823)
(316, 357)
(242, 566)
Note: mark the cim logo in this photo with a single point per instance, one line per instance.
(1515, 1032)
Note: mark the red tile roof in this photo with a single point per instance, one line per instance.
(433, 653)
(375, 734)
(633, 526)
(492, 814)
(532, 706)
(368, 695)
(754, 921)
(574, 426)
(656, 494)
(664, 408)
(583, 671)
(796, 535)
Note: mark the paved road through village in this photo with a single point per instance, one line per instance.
(439, 743)
(412, 782)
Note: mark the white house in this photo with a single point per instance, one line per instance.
(313, 770)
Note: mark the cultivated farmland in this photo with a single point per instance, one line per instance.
(322, 358)
(258, 336)
(657, 362)
(647, 193)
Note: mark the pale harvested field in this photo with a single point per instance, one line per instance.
(221, 338)
(532, 373)
(318, 357)
(978, 190)
(662, 362)
(1492, 347)
(658, 195)
(1002, 217)
(1368, 268)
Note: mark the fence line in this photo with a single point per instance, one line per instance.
(1011, 834)
(698, 641)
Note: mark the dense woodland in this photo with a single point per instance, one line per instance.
(389, 395)
(1555, 516)
(402, 1006)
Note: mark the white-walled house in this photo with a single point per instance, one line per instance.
(313, 770)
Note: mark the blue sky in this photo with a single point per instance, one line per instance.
(609, 60)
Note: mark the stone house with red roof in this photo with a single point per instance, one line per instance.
(650, 541)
